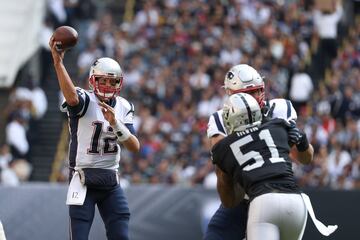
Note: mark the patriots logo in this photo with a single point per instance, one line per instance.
(96, 63)
(230, 75)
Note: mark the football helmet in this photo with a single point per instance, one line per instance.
(106, 78)
(244, 78)
(240, 112)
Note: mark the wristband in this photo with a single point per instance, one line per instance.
(303, 144)
(121, 131)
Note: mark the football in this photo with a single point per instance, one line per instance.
(68, 37)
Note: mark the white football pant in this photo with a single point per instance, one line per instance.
(275, 216)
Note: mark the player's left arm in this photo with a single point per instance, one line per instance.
(285, 110)
(229, 191)
(297, 137)
(305, 150)
(125, 137)
(306, 157)
(226, 189)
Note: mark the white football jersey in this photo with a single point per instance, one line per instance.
(283, 109)
(93, 143)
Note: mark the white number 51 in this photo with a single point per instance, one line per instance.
(259, 161)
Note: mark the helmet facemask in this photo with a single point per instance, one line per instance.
(106, 87)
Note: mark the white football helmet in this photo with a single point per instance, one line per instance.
(244, 78)
(240, 112)
(106, 78)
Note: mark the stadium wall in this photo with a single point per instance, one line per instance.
(38, 211)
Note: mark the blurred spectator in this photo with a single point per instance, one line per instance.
(39, 102)
(7, 175)
(301, 88)
(148, 16)
(338, 162)
(45, 55)
(57, 10)
(326, 23)
(22, 169)
(16, 135)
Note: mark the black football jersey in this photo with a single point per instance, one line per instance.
(258, 158)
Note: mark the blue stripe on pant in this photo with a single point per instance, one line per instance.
(228, 223)
(114, 211)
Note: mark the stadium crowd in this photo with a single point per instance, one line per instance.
(175, 55)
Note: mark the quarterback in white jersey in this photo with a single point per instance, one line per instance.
(93, 141)
(230, 223)
(100, 122)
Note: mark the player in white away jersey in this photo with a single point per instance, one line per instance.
(230, 223)
(100, 122)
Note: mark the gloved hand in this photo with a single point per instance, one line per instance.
(297, 137)
(294, 133)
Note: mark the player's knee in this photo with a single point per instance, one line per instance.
(118, 229)
(118, 235)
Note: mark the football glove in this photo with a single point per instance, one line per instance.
(297, 137)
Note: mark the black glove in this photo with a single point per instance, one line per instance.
(297, 137)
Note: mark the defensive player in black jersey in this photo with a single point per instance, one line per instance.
(230, 223)
(256, 156)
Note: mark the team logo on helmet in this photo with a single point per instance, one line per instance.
(230, 75)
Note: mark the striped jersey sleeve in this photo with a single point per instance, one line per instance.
(216, 125)
(128, 110)
(283, 109)
(80, 109)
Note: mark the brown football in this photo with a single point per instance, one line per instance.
(68, 37)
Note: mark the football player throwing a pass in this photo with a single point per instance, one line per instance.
(100, 123)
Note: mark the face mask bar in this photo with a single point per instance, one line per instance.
(106, 87)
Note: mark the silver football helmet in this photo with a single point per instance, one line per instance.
(244, 78)
(240, 112)
(106, 78)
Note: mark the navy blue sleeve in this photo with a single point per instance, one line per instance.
(130, 127)
(81, 107)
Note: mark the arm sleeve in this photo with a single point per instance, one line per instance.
(339, 12)
(129, 115)
(284, 109)
(130, 127)
(80, 109)
(215, 126)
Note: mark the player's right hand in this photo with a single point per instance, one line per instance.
(57, 54)
(294, 133)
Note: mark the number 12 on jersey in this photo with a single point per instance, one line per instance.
(109, 146)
